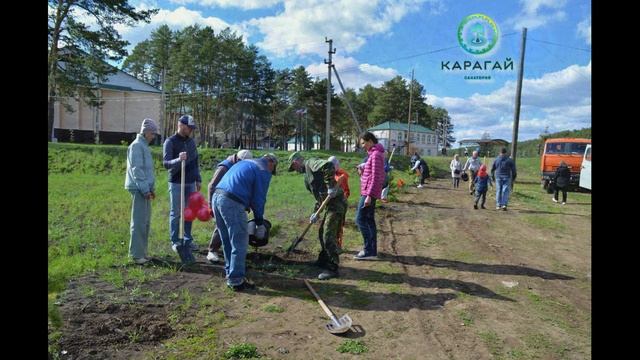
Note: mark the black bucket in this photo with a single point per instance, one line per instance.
(254, 241)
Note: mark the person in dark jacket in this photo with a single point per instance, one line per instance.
(503, 172)
(561, 180)
(176, 148)
(421, 166)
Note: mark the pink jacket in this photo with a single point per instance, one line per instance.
(373, 174)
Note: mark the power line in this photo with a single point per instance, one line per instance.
(560, 45)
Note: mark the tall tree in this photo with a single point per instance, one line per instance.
(392, 102)
(365, 104)
(76, 50)
(444, 126)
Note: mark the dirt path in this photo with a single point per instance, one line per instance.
(452, 283)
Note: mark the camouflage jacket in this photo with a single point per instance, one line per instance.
(319, 174)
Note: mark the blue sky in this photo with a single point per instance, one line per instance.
(377, 40)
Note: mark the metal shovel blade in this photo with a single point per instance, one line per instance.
(343, 325)
(184, 251)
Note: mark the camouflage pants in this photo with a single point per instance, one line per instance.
(328, 233)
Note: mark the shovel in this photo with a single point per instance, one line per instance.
(336, 326)
(385, 191)
(186, 257)
(297, 240)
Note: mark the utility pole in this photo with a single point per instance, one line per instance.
(516, 120)
(163, 115)
(328, 122)
(409, 120)
(353, 114)
(444, 135)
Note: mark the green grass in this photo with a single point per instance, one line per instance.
(352, 347)
(493, 342)
(466, 317)
(271, 308)
(242, 351)
(546, 222)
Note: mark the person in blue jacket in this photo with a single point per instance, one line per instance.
(176, 148)
(503, 173)
(243, 187)
(222, 168)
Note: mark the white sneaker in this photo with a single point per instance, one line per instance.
(554, 199)
(497, 207)
(213, 257)
(370, 257)
(360, 254)
(420, 186)
(174, 247)
(564, 203)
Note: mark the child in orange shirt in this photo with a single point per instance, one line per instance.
(342, 178)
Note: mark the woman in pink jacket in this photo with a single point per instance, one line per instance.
(371, 180)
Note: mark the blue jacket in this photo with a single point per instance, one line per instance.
(505, 168)
(482, 183)
(171, 149)
(140, 170)
(248, 180)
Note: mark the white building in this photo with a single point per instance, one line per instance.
(127, 101)
(315, 139)
(423, 140)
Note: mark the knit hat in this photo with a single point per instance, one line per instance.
(148, 125)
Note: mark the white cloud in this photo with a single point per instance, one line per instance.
(242, 4)
(176, 19)
(584, 30)
(303, 25)
(560, 100)
(537, 13)
(353, 74)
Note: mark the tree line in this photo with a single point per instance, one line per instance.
(227, 85)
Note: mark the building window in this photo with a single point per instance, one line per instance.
(423, 138)
(400, 135)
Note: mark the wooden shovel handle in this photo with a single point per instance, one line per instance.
(322, 304)
(181, 233)
(322, 206)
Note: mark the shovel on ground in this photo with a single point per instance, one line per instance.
(337, 325)
(297, 240)
(184, 251)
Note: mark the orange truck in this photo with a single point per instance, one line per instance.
(571, 150)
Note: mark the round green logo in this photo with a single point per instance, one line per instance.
(478, 34)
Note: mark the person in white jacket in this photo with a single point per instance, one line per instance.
(456, 169)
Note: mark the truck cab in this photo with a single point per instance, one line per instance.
(585, 173)
(569, 150)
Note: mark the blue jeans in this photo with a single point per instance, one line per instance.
(365, 219)
(503, 189)
(174, 213)
(231, 220)
(140, 223)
